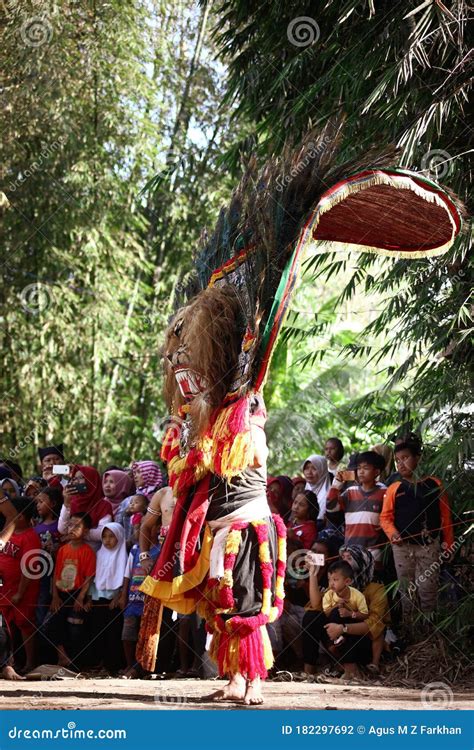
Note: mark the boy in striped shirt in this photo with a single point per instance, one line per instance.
(361, 504)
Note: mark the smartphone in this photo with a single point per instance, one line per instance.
(317, 559)
(348, 476)
(62, 469)
(80, 488)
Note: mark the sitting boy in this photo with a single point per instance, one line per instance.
(342, 603)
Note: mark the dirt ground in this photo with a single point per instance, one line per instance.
(81, 694)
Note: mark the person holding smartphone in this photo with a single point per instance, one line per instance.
(83, 494)
(48, 457)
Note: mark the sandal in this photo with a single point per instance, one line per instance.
(373, 669)
(332, 672)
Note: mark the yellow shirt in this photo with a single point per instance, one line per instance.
(377, 603)
(379, 613)
(355, 603)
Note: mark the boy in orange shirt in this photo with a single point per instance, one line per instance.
(416, 515)
(73, 573)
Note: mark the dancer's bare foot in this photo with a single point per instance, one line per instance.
(253, 694)
(233, 691)
(8, 673)
(131, 673)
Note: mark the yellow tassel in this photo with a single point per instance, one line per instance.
(282, 549)
(214, 648)
(266, 601)
(233, 542)
(273, 614)
(231, 662)
(226, 579)
(264, 552)
(279, 588)
(267, 648)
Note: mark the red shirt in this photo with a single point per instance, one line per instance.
(305, 532)
(26, 546)
(73, 566)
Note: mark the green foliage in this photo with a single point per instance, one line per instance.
(401, 73)
(98, 99)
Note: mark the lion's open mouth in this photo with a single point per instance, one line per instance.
(190, 382)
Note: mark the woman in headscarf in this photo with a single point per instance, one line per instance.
(83, 494)
(116, 486)
(279, 494)
(148, 477)
(9, 487)
(363, 641)
(315, 471)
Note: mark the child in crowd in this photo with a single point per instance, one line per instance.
(416, 515)
(304, 512)
(362, 504)
(127, 508)
(73, 573)
(34, 486)
(342, 603)
(105, 593)
(136, 510)
(48, 504)
(20, 562)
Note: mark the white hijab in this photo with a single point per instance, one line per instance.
(321, 487)
(111, 562)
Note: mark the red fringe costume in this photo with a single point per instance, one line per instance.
(302, 198)
(180, 578)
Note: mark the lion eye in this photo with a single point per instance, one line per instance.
(178, 328)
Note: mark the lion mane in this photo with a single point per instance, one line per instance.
(206, 337)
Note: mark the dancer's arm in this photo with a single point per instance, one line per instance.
(258, 417)
(149, 528)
